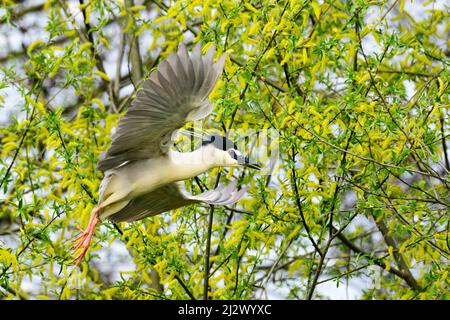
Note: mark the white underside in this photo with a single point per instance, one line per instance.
(131, 180)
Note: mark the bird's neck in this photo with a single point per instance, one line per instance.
(186, 165)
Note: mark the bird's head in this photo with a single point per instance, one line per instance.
(224, 153)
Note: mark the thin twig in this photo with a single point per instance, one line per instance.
(189, 293)
(208, 253)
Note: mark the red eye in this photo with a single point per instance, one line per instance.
(232, 154)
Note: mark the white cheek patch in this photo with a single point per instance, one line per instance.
(228, 159)
(238, 153)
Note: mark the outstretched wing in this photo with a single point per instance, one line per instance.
(174, 196)
(173, 95)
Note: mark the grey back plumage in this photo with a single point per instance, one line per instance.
(173, 95)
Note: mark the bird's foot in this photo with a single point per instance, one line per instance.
(84, 239)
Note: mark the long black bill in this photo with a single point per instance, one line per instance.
(246, 162)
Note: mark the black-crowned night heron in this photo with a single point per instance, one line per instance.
(142, 172)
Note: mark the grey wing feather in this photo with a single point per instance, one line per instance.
(173, 95)
(163, 199)
(174, 196)
(222, 195)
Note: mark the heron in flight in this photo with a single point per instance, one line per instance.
(142, 173)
